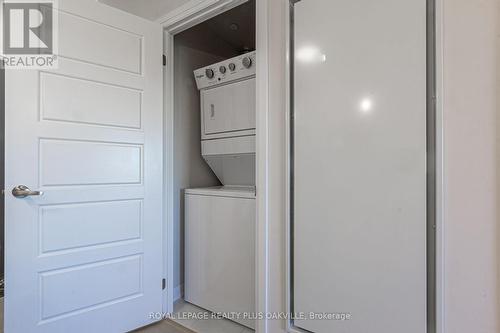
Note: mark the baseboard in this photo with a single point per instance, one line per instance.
(178, 292)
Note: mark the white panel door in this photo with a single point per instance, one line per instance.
(359, 209)
(86, 255)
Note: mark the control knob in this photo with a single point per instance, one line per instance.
(247, 62)
(209, 73)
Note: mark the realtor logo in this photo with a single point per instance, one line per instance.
(29, 34)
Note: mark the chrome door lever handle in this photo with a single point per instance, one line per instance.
(22, 191)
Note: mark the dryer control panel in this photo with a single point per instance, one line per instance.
(237, 68)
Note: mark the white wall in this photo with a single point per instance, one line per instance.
(193, 49)
(471, 232)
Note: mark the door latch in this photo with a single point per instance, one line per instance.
(212, 110)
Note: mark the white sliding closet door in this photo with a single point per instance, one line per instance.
(359, 164)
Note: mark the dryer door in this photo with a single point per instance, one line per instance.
(228, 109)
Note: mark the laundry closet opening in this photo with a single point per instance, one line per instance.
(213, 167)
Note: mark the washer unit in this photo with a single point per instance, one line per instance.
(220, 221)
(220, 250)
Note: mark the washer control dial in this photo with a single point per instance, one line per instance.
(209, 73)
(232, 66)
(222, 69)
(247, 62)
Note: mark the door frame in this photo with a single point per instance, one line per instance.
(180, 19)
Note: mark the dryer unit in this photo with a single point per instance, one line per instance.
(227, 93)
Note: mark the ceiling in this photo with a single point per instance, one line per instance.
(235, 26)
(149, 9)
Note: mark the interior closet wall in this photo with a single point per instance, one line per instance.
(194, 48)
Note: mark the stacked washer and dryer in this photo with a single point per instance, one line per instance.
(220, 221)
